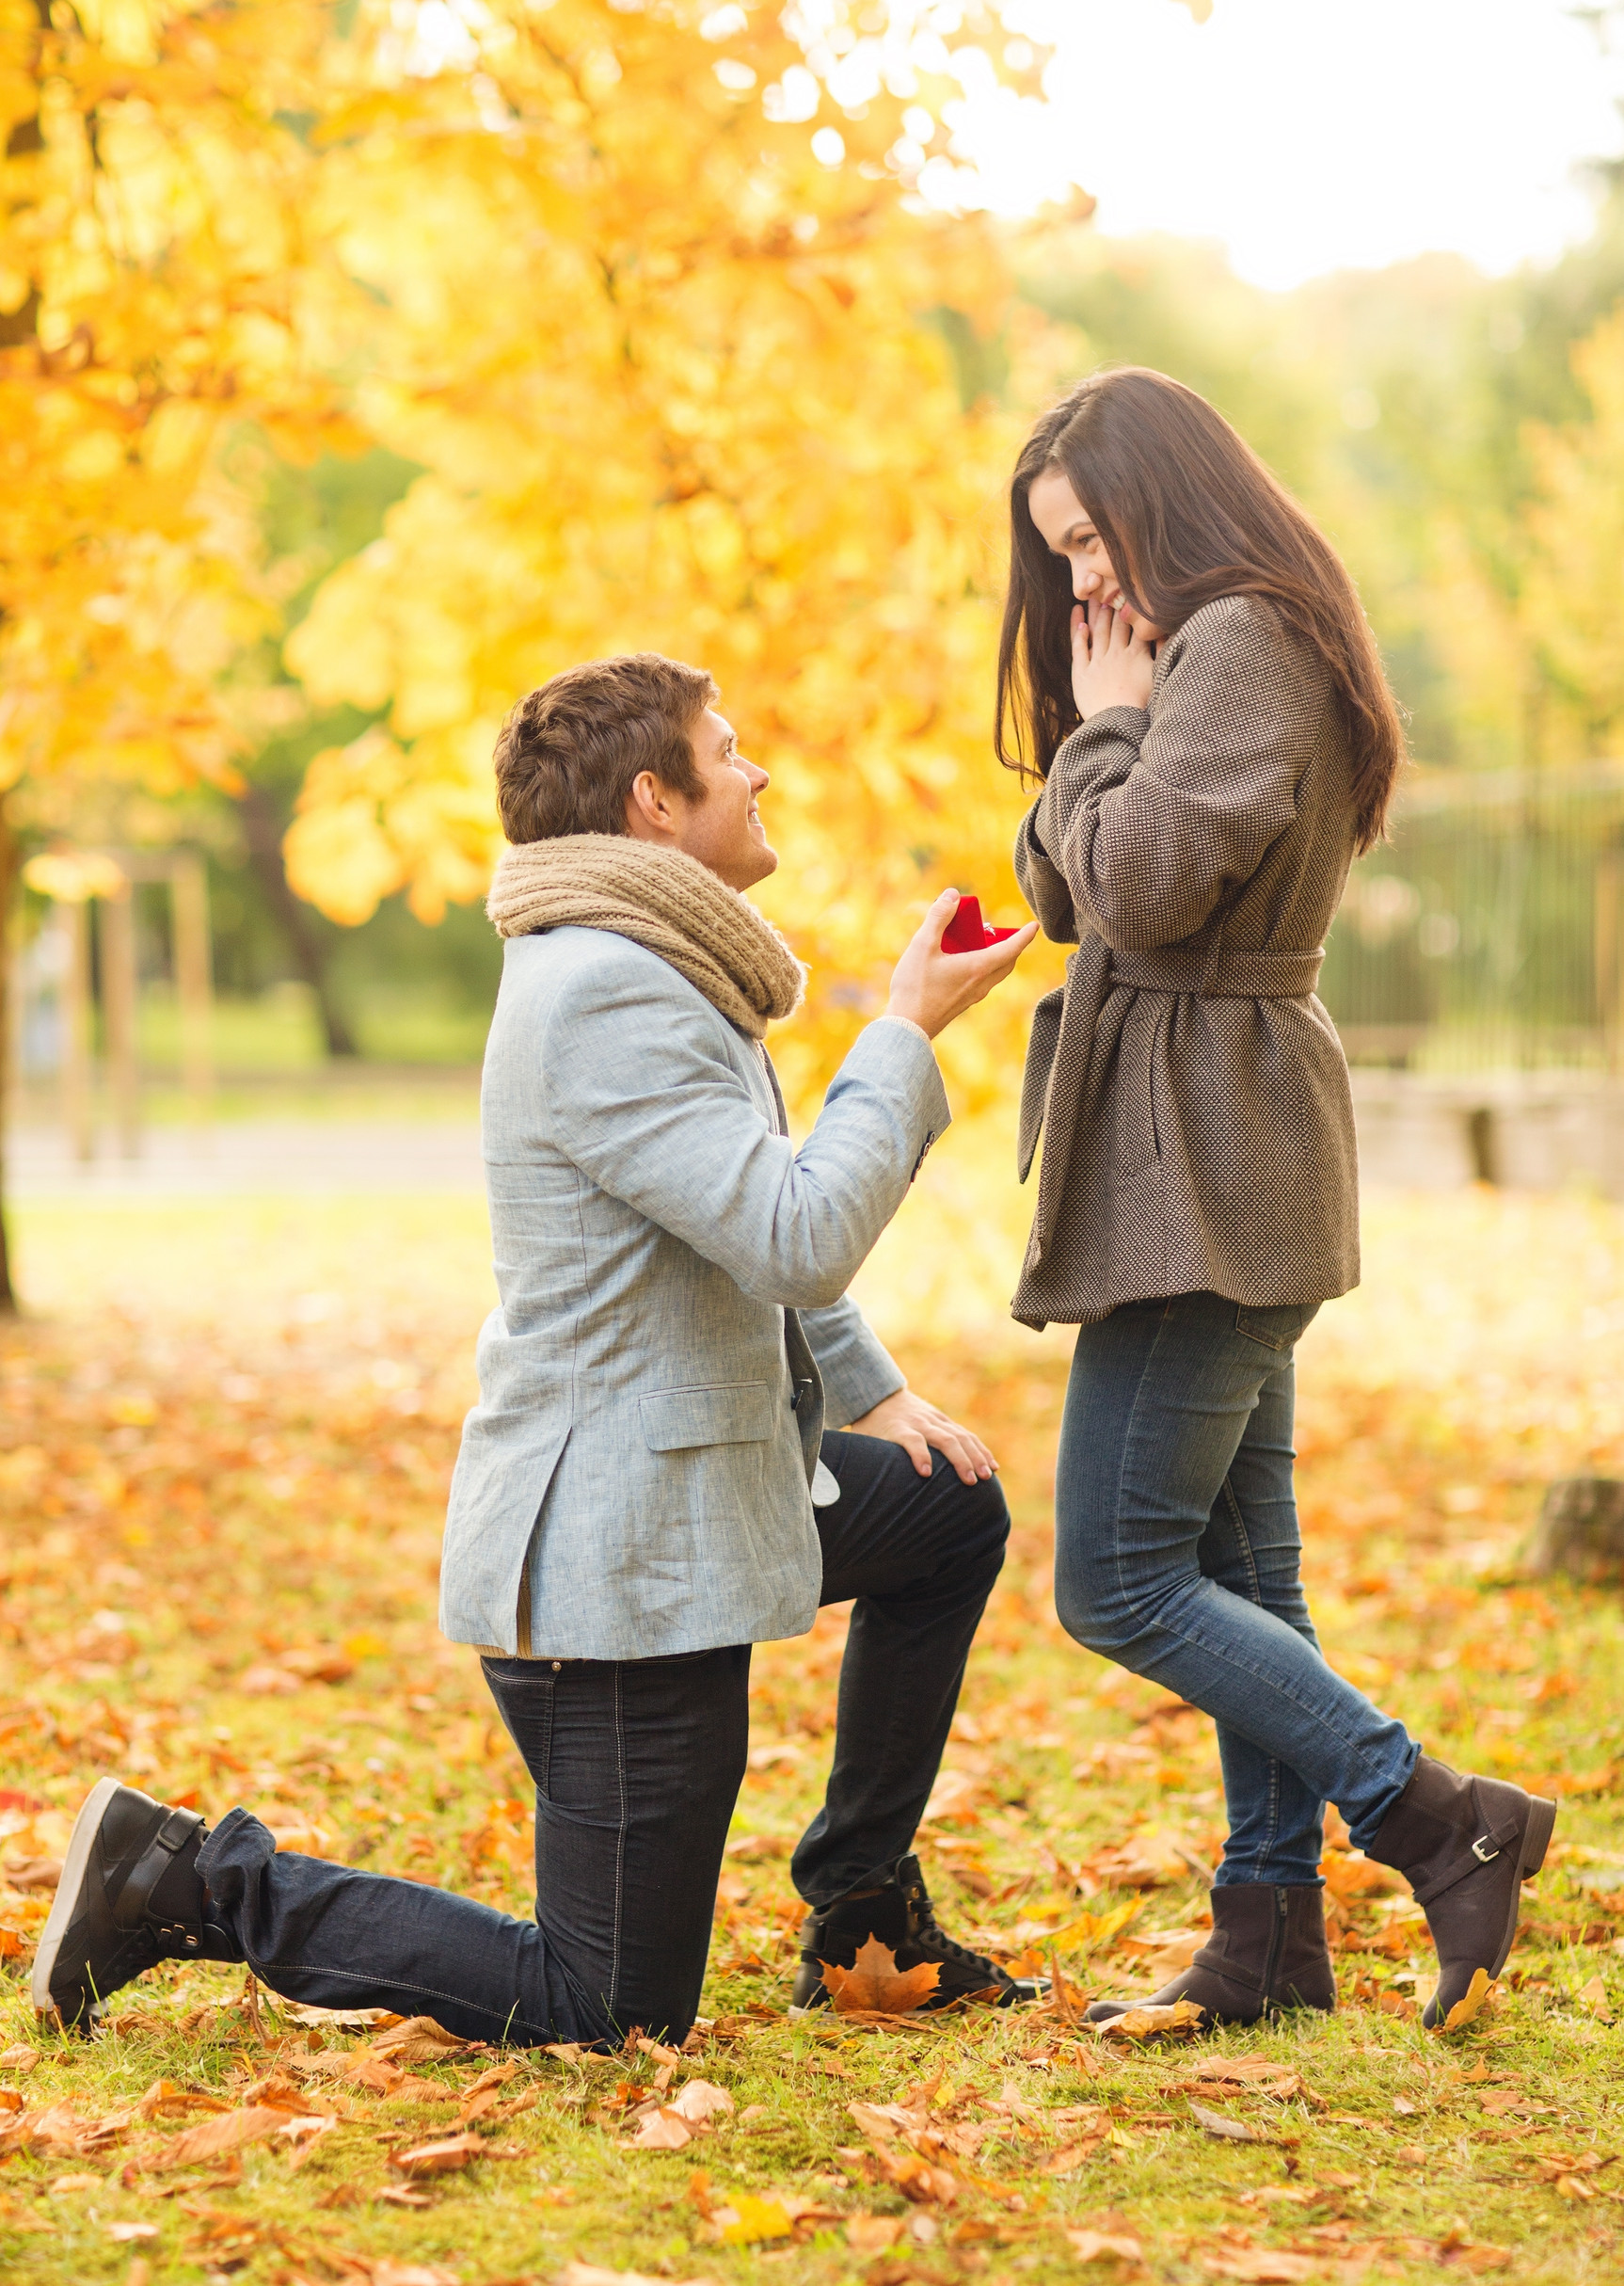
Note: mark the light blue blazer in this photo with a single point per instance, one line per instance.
(635, 1478)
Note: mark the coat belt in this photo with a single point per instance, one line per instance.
(1217, 975)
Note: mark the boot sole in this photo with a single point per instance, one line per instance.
(86, 1825)
(1536, 1841)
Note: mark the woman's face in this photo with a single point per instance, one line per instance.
(1069, 529)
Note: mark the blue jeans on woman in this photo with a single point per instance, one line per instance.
(1177, 1554)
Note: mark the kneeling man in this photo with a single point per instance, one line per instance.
(653, 1478)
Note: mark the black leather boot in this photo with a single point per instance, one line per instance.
(1267, 1951)
(1466, 1846)
(130, 1895)
(898, 1912)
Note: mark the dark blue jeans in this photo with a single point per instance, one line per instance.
(637, 1765)
(1177, 1554)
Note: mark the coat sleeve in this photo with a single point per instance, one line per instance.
(641, 1095)
(857, 1370)
(1148, 852)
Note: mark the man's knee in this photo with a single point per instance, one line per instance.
(980, 1515)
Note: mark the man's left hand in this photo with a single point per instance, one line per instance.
(910, 1421)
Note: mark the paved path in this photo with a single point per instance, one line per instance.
(252, 1158)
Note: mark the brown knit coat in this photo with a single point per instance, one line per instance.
(1192, 1091)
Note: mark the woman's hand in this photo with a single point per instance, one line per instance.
(929, 988)
(1112, 663)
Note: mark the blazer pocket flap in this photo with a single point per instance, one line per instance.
(673, 1419)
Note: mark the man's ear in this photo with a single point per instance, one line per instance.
(649, 816)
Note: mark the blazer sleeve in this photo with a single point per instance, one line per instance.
(641, 1095)
(1148, 850)
(856, 1367)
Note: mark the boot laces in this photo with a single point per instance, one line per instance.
(927, 1935)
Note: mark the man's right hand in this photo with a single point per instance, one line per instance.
(931, 988)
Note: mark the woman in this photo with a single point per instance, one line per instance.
(1186, 667)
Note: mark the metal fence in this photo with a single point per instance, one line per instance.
(1489, 933)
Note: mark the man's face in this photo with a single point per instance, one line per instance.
(724, 829)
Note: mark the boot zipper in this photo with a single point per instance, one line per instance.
(1277, 1938)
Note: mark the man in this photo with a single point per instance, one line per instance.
(647, 1485)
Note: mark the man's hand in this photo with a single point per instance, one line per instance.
(1112, 661)
(905, 1420)
(931, 988)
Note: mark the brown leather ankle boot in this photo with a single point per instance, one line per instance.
(1466, 1846)
(1267, 1951)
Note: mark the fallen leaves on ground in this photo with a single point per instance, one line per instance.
(1261, 2075)
(137, 1607)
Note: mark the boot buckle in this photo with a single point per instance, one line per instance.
(1483, 1851)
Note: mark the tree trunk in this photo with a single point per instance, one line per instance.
(1580, 1530)
(264, 834)
(7, 890)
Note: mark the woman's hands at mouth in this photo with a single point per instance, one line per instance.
(1112, 661)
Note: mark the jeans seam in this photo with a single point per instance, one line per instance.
(1243, 1541)
(1122, 1590)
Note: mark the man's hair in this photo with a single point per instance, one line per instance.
(568, 753)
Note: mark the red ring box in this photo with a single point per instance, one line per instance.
(968, 932)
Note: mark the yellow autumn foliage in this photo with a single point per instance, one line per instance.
(1572, 599)
(158, 282)
(678, 376)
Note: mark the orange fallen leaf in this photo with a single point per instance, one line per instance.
(1594, 1997)
(417, 2039)
(413, 2274)
(662, 2130)
(166, 2096)
(591, 2274)
(873, 2234)
(875, 1985)
(301, 1839)
(1073, 2156)
(1262, 2074)
(1471, 2000)
(1261, 2266)
(700, 2100)
(321, 1665)
(1181, 2017)
(227, 2132)
(1106, 2246)
(441, 2158)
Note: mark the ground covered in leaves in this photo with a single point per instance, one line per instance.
(224, 1446)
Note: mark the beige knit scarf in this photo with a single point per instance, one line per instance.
(662, 900)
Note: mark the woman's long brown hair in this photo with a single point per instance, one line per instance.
(1187, 513)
